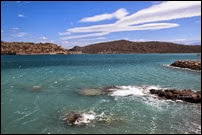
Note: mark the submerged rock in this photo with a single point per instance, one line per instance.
(110, 89)
(37, 87)
(185, 95)
(109, 119)
(91, 92)
(98, 91)
(194, 65)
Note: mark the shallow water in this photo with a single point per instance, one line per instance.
(37, 90)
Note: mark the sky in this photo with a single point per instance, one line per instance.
(80, 23)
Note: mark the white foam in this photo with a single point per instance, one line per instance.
(132, 90)
(86, 118)
(89, 117)
(56, 82)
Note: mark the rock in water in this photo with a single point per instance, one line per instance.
(84, 118)
(72, 117)
(37, 87)
(91, 92)
(185, 95)
(194, 65)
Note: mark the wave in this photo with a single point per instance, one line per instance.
(89, 117)
(86, 118)
(132, 90)
(79, 118)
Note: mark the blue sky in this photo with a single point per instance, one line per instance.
(81, 23)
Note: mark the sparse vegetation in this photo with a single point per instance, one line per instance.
(124, 46)
(31, 48)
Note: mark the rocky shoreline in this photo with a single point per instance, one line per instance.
(184, 95)
(190, 64)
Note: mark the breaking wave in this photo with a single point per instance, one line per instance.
(132, 90)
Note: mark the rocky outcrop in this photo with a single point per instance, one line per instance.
(80, 118)
(73, 117)
(185, 95)
(194, 65)
(85, 118)
(124, 46)
(13, 48)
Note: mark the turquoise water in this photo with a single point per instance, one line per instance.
(61, 77)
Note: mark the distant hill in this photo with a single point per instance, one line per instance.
(13, 48)
(124, 46)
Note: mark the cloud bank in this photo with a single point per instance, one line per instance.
(120, 13)
(146, 19)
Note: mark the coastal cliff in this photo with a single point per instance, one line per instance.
(124, 46)
(13, 48)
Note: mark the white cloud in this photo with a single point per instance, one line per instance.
(65, 42)
(2, 31)
(52, 41)
(21, 15)
(19, 34)
(187, 41)
(24, 2)
(100, 38)
(139, 40)
(64, 33)
(92, 39)
(184, 41)
(156, 2)
(160, 12)
(105, 30)
(86, 35)
(163, 12)
(15, 28)
(115, 28)
(118, 15)
(71, 44)
(43, 38)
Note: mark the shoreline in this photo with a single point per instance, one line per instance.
(97, 53)
(188, 69)
(190, 64)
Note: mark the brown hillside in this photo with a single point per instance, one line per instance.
(31, 48)
(124, 46)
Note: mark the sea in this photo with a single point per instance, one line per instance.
(38, 91)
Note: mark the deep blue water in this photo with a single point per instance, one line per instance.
(61, 77)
